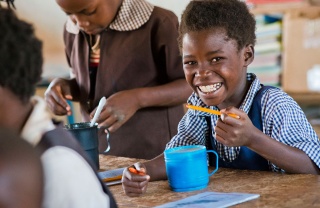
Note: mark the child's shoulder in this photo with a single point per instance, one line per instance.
(275, 96)
(164, 14)
(272, 91)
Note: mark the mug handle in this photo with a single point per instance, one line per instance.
(217, 160)
(107, 137)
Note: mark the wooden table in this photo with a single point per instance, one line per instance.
(275, 189)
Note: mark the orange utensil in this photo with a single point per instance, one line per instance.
(210, 111)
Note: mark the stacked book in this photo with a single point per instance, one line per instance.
(272, 1)
(267, 61)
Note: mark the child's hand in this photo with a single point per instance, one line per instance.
(135, 180)
(56, 95)
(234, 132)
(119, 108)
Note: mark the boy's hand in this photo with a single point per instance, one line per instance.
(234, 132)
(135, 180)
(56, 95)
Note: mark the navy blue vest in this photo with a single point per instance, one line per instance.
(247, 159)
(61, 137)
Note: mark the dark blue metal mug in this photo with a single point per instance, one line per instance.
(87, 136)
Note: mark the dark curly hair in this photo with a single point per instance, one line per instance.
(231, 15)
(20, 55)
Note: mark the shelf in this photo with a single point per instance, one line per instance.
(307, 98)
(277, 7)
(300, 47)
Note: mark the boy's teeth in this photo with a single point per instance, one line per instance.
(210, 88)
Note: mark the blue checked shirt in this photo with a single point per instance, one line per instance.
(282, 120)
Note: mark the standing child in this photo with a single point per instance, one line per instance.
(217, 40)
(125, 50)
(69, 178)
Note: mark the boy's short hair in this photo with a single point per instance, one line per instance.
(20, 55)
(233, 16)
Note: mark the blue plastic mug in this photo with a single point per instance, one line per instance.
(187, 167)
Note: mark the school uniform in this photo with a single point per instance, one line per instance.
(278, 116)
(138, 49)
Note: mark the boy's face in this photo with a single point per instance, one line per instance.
(215, 68)
(91, 16)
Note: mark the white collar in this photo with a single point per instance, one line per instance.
(131, 16)
(38, 123)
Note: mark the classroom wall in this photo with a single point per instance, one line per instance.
(48, 21)
(177, 6)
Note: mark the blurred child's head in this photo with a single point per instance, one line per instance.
(91, 16)
(216, 40)
(20, 56)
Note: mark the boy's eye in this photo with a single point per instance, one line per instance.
(215, 59)
(189, 62)
(88, 13)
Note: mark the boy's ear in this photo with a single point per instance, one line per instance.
(248, 54)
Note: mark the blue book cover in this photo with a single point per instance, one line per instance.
(211, 199)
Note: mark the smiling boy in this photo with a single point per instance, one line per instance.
(217, 40)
